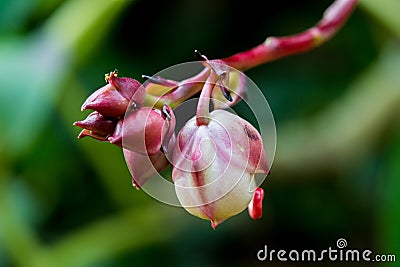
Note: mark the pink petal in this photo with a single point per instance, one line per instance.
(143, 167)
(129, 88)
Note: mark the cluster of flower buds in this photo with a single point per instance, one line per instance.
(214, 156)
(144, 131)
(109, 104)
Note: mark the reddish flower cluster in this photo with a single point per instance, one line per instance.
(109, 104)
(214, 156)
(145, 128)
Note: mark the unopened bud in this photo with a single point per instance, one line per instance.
(214, 166)
(98, 124)
(112, 99)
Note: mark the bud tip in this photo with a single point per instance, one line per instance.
(255, 206)
(199, 56)
(214, 225)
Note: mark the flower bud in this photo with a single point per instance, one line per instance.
(214, 165)
(96, 126)
(142, 131)
(148, 135)
(143, 167)
(113, 99)
(97, 123)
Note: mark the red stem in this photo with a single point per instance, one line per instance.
(203, 106)
(277, 47)
(273, 48)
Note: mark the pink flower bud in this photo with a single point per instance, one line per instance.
(113, 99)
(142, 131)
(214, 165)
(143, 167)
(148, 135)
(96, 126)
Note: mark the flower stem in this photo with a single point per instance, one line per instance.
(277, 47)
(186, 89)
(273, 48)
(203, 107)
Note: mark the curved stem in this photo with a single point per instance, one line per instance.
(277, 47)
(273, 48)
(186, 89)
(203, 107)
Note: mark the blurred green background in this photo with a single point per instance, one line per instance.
(69, 202)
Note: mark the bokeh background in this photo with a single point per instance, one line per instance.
(68, 202)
